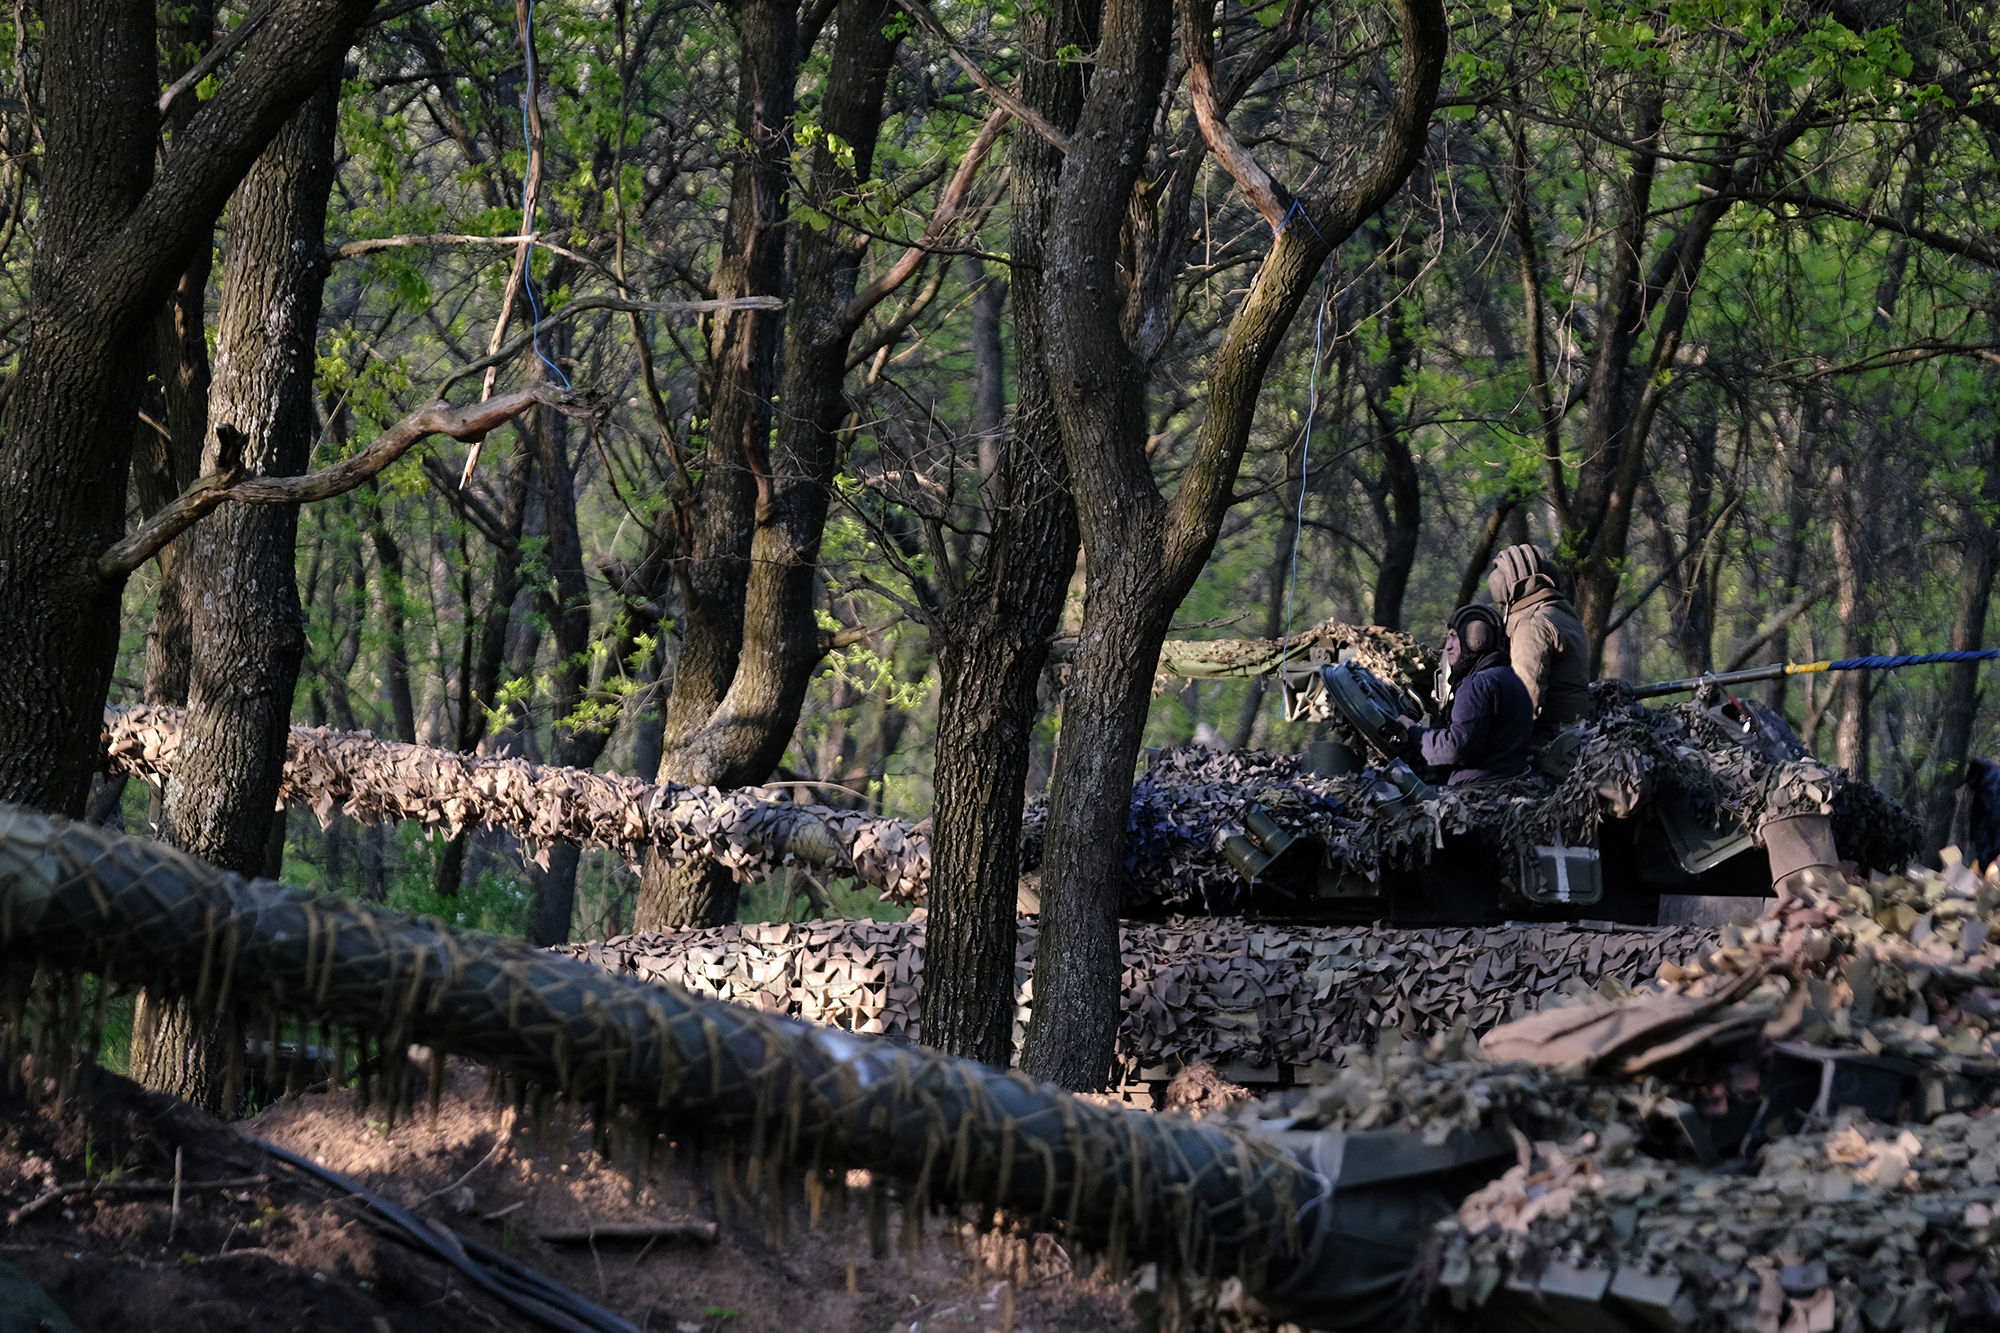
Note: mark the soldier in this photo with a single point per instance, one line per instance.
(1545, 638)
(1491, 717)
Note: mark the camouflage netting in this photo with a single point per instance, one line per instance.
(1617, 1096)
(1830, 1222)
(1263, 1004)
(1190, 799)
(752, 831)
(1182, 808)
(802, 1104)
(1389, 653)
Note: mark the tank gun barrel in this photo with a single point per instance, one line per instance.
(1778, 670)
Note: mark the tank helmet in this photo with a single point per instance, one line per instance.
(1470, 634)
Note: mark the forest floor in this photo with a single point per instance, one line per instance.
(289, 1252)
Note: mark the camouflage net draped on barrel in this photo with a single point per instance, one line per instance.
(752, 831)
(1182, 808)
(798, 1102)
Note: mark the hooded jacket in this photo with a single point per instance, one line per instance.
(1547, 641)
(1491, 720)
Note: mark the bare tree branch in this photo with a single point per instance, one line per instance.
(1978, 252)
(950, 205)
(1024, 113)
(230, 484)
(1269, 198)
(218, 53)
(585, 304)
(1805, 602)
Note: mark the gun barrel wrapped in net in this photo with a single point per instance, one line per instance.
(796, 1098)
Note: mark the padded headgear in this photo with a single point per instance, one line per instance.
(1478, 629)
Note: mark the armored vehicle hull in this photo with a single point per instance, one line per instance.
(1712, 797)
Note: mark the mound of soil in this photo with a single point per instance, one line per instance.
(253, 1246)
(260, 1245)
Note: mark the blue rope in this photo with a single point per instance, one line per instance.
(1305, 449)
(1912, 659)
(528, 218)
(1298, 210)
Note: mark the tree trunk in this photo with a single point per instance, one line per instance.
(395, 633)
(247, 627)
(1960, 711)
(111, 238)
(174, 1051)
(1401, 506)
(992, 642)
(989, 359)
(745, 731)
(565, 604)
(722, 514)
(1098, 389)
(1277, 593)
(1854, 565)
(1143, 553)
(480, 682)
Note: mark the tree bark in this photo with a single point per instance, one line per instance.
(745, 731)
(175, 1051)
(1142, 552)
(1098, 391)
(111, 237)
(167, 465)
(720, 517)
(247, 627)
(487, 654)
(1400, 509)
(1980, 563)
(565, 600)
(992, 636)
(395, 633)
(1854, 541)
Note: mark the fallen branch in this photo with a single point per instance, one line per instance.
(647, 1231)
(500, 1143)
(231, 484)
(82, 1187)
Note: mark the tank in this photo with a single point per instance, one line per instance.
(1693, 801)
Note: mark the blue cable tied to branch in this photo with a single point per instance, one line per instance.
(529, 199)
(1305, 448)
(1780, 669)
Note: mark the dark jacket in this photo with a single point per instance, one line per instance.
(1545, 638)
(1491, 720)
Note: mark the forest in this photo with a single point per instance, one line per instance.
(848, 399)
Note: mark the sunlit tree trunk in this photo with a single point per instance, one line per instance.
(247, 628)
(112, 237)
(722, 514)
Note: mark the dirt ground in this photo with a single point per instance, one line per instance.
(287, 1252)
